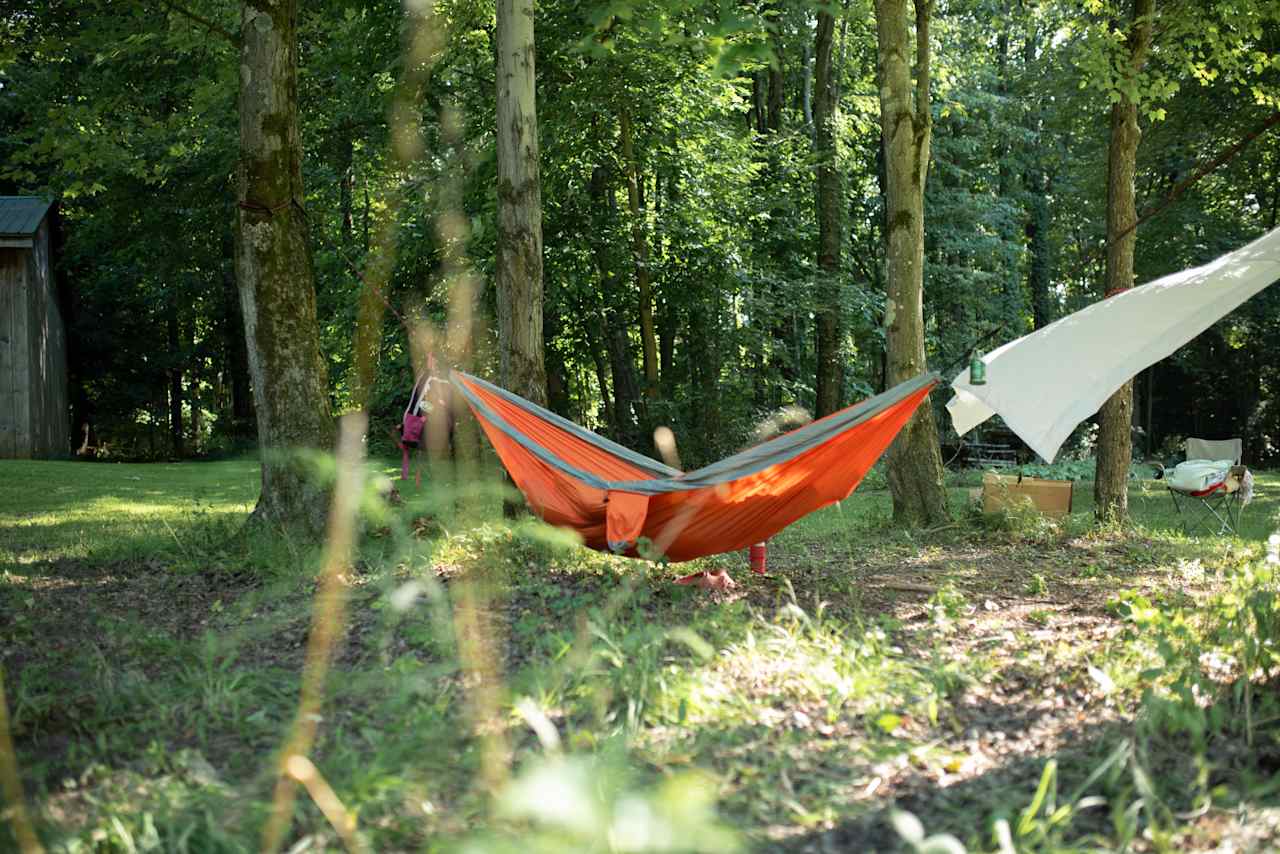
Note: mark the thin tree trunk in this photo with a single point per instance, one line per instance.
(757, 116)
(243, 415)
(1039, 272)
(346, 183)
(175, 380)
(773, 333)
(828, 379)
(667, 346)
(617, 347)
(1275, 206)
(365, 219)
(1037, 183)
(600, 362)
(806, 90)
(194, 376)
(915, 461)
(640, 254)
(773, 116)
(274, 272)
(558, 391)
(1115, 418)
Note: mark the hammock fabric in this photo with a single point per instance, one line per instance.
(613, 496)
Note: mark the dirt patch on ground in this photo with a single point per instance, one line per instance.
(1037, 612)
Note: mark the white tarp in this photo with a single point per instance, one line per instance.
(1046, 383)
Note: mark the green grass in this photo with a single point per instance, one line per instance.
(152, 665)
(67, 510)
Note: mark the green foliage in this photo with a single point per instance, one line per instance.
(1209, 657)
(145, 174)
(152, 688)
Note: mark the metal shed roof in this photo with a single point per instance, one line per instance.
(20, 216)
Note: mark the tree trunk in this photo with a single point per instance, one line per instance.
(243, 416)
(624, 411)
(667, 325)
(915, 461)
(346, 184)
(1115, 451)
(1039, 278)
(828, 379)
(600, 363)
(559, 394)
(640, 254)
(273, 269)
(773, 117)
(756, 117)
(519, 265)
(1037, 182)
(175, 380)
(806, 90)
(195, 363)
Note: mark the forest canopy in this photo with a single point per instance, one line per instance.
(678, 144)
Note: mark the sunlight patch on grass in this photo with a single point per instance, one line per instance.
(63, 510)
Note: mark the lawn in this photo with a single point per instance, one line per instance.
(1016, 684)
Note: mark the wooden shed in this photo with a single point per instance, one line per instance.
(34, 417)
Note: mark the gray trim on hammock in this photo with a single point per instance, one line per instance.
(622, 452)
(745, 463)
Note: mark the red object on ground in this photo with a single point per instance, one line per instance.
(716, 580)
(759, 558)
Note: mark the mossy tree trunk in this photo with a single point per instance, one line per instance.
(273, 270)
(1115, 444)
(915, 460)
(828, 379)
(519, 263)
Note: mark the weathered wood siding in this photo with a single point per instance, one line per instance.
(34, 417)
(14, 418)
(50, 420)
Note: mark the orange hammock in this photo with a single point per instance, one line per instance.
(614, 497)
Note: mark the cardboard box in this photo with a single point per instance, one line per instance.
(1051, 497)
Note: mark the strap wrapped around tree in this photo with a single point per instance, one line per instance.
(613, 496)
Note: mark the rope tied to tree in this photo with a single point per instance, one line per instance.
(271, 210)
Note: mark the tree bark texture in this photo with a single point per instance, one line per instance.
(1115, 418)
(829, 208)
(519, 264)
(274, 272)
(640, 255)
(915, 460)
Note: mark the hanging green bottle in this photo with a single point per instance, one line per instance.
(977, 369)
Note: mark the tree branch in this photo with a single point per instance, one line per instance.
(1182, 186)
(202, 21)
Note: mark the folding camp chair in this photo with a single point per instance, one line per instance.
(1210, 487)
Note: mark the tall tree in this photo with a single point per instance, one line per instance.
(1111, 485)
(915, 460)
(829, 210)
(274, 271)
(640, 255)
(519, 249)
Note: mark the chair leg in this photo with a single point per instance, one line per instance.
(1199, 518)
